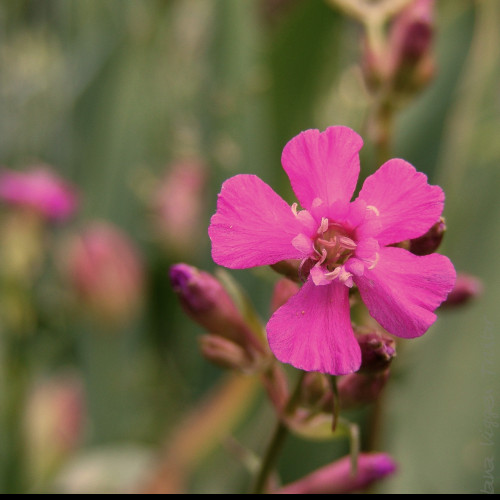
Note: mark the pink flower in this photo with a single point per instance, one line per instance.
(39, 189)
(340, 244)
(337, 478)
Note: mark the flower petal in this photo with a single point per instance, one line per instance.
(402, 290)
(313, 331)
(323, 165)
(253, 226)
(404, 205)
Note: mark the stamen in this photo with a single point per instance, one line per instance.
(373, 209)
(323, 226)
(347, 243)
(294, 209)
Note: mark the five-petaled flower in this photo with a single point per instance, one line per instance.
(340, 244)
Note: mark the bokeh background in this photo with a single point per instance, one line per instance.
(124, 98)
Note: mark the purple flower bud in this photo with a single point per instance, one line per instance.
(207, 302)
(410, 43)
(357, 389)
(467, 287)
(337, 478)
(377, 351)
(227, 354)
(430, 241)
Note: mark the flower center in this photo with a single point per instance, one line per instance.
(333, 245)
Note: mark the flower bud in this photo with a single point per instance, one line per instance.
(207, 302)
(337, 478)
(106, 272)
(357, 389)
(227, 354)
(283, 290)
(430, 241)
(467, 287)
(377, 351)
(39, 190)
(54, 422)
(177, 205)
(410, 43)
(316, 391)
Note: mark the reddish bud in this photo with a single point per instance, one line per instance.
(337, 478)
(410, 43)
(357, 389)
(377, 351)
(106, 272)
(467, 288)
(178, 206)
(430, 241)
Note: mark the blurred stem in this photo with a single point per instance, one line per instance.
(277, 442)
(16, 378)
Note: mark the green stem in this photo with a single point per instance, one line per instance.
(13, 445)
(277, 442)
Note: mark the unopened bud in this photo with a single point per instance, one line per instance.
(338, 478)
(283, 290)
(39, 190)
(377, 351)
(316, 391)
(467, 288)
(430, 241)
(178, 204)
(227, 354)
(410, 43)
(276, 385)
(106, 271)
(54, 422)
(208, 303)
(357, 389)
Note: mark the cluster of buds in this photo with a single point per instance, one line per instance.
(403, 64)
(230, 341)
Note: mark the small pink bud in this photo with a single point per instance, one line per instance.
(377, 351)
(40, 190)
(178, 207)
(207, 302)
(227, 354)
(357, 389)
(467, 288)
(106, 271)
(283, 290)
(276, 385)
(430, 241)
(54, 422)
(410, 43)
(337, 478)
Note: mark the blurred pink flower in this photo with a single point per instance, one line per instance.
(178, 205)
(54, 421)
(339, 243)
(39, 189)
(337, 478)
(106, 271)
